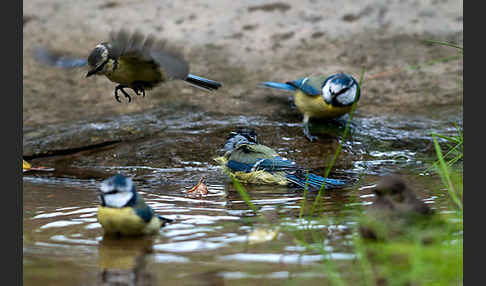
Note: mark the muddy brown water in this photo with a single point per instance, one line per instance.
(166, 151)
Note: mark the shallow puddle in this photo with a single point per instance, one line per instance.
(208, 244)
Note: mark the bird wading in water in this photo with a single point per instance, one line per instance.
(134, 61)
(321, 96)
(395, 211)
(123, 212)
(251, 162)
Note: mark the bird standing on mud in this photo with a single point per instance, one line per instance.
(133, 61)
(251, 162)
(123, 212)
(321, 96)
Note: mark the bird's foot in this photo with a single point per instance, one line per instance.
(121, 87)
(311, 138)
(308, 135)
(305, 125)
(138, 87)
(139, 90)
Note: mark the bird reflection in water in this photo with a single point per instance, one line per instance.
(122, 261)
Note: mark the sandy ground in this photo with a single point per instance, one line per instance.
(242, 43)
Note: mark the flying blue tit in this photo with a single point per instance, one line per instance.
(123, 212)
(321, 96)
(134, 61)
(251, 162)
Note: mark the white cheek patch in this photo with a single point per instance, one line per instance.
(118, 200)
(349, 96)
(104, 54)
(108, 186)
(326, 93)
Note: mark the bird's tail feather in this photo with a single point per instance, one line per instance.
(203, 83)
(278, 85)
(314, 181)
(165, 220)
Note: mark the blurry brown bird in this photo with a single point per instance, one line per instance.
(396, 207)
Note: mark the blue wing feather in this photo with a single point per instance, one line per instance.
(239, 167)
(314, 181)
(145, 213)
(304, 84)
(275, 164)
(278, 85)
(294, 173)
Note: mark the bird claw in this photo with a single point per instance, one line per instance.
(120, 87)
(117, 97)
(139, 90)
(308, 135)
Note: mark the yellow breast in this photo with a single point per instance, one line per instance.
(129, 71)
(126, 222)
(315, 106)
(261, 177)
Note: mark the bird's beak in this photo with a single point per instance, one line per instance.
(91, 72)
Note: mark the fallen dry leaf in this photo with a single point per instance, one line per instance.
(27, 167)
(199, 190)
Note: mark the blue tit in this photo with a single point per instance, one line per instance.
(251, 162)
(133, 61)
(123, 212)
(321, 96)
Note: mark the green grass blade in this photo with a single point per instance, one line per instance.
(338, 149)
(445, 175)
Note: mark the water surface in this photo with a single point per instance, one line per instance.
(208, 244)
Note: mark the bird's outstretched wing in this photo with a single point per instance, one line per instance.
(50, 58)
(138, 47)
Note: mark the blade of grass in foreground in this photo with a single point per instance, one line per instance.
(338, 149)
(242, 191)
(454, 150)
(445, 44)
(444, 173)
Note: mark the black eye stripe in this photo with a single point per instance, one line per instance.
(111, 192)
(101, 66)
(342, 91)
